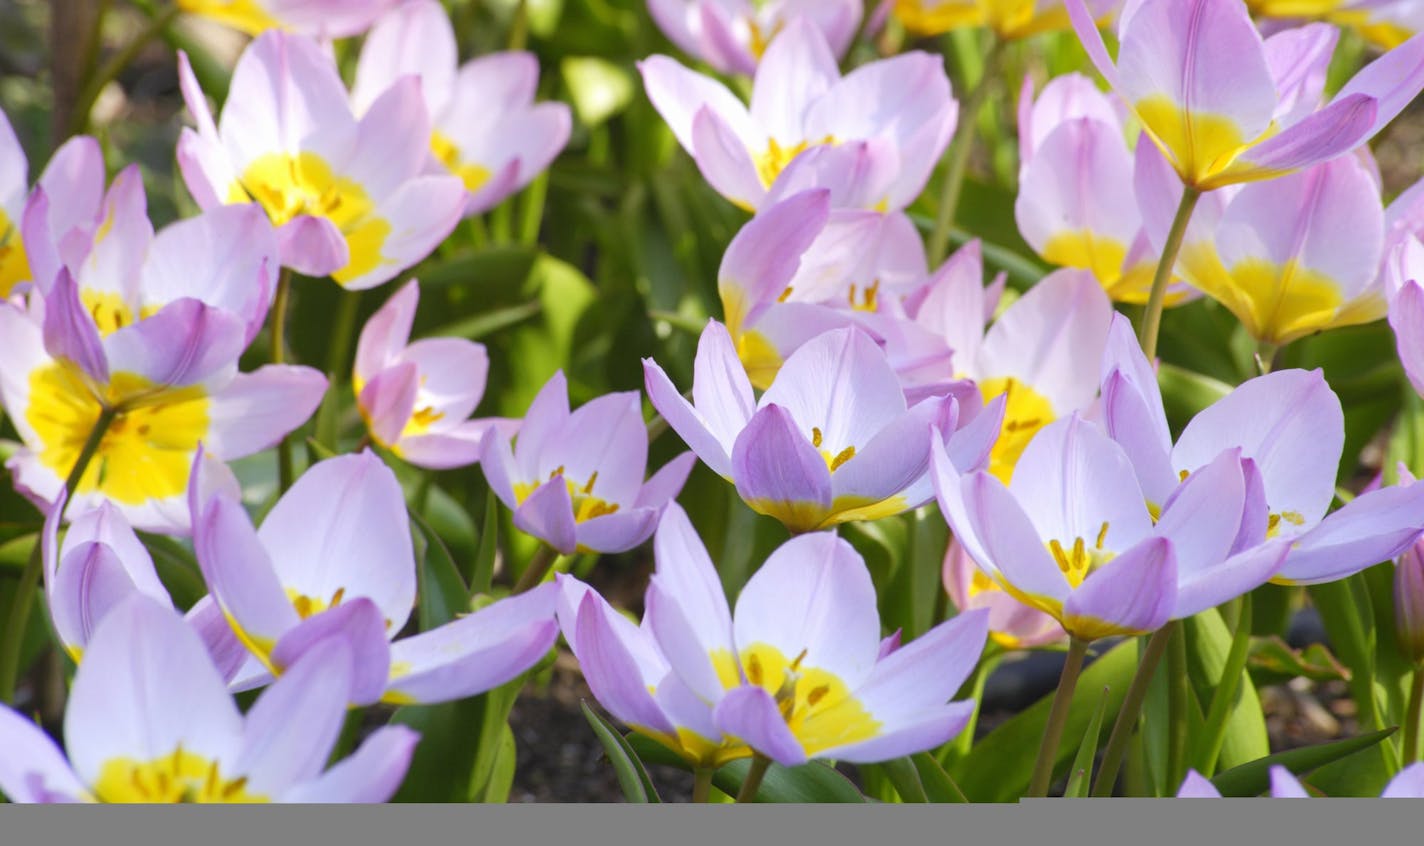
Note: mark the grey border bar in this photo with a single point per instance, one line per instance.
(1052, 822)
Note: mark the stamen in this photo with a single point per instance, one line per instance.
(842, 457)
(815, 437)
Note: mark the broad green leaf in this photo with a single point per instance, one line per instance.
(939, 787)
(443, 593)
(1209, 643)
(1273, 660)
(177, 569)
(815, 783)
(1080, 778)
(1253, 777)
(997, 769)
(493, 722)
(905, 777)
(632, 776)
(501, 777)
(440, 769)
(15, 553)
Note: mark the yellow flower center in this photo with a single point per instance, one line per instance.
(473, 175)
(833, 462)
(303, 184)
(180, 777)
(1077, 560)
(586, 505)
(146, 453)
(1025, 412)
(817, 706)
(14, 264)
(869, 299)
(249, 16)
(307, 606)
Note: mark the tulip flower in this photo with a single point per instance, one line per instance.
(1290, 424)
(1028, 356)
(732, 35)
(802, 267)
(1409, 603)
(1226, 106)
(1408, 783)
(1072, 536)
(630, 676)
(150, 720)
(1289, 257)
(349, 196)
(1076, 205)
(901, 106)
(415, 397)
(144, 335)
(797, 671)
(829, 442)
(333, 559)
(323, 19)
(1012, 624)
(55, 224)
(484, 124)
(1388, 23)
(1007, 18)
(575, 480)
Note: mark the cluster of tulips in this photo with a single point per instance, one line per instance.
(856, 376)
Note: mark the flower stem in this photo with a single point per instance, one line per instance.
(1152, 318)
(1411, 719)
(959, 150)
(1178, 693)
(279, 355)
(84, 104)
(702, 784)
(23, 600)
(1057, 718)
(538, 568)
(752, 783)
(1131, 707)
(343, 328)
(1219, 711)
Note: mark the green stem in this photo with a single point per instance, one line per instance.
(1152, 317)
(280, 304)
(519, 27)
(84, 104)
(537, 569)
(23, 600)
(1057, 718)
(1411, 719)
(343, 329)
(752, 783)
(1131, 708)
(1218, 714)
(702, 784)
(1178, 691)
(987, 664)
(959, 150)
(1265, 356)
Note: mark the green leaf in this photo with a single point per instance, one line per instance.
(15, 553)
(1253, 777)
(632, 776)
(177, 569)
(488, 323)
(816, 782)
(1081, 773)
(905, 777)
(813, 783)
(997, 769)
(501, 777)
(443, 593)
(493, 722)
(482, 570)
(447, 748)
(939, 787)
(1273, 660)
(1209, 644)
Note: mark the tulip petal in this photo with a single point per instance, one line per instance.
(1132, 594)
(372, 774)
(749, 714)
(1371, 528)
(779, 473)
(610, 669)
(33, 768)
(1236, 576)
(358, 625)
(256, 410)
(548, 514)
(240, 575)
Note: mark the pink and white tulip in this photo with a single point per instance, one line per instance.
(415, 397)
(484, 125)
(732, 35)
(350, 196)
(575, 479)
(324, 19)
